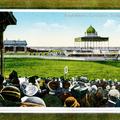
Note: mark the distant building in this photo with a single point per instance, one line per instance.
(15, 45)
(92, 40)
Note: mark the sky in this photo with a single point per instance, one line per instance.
(59, 28)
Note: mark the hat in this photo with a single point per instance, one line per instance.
(13, 75)
(94, 87)
(66, 84)
(114, 93)
(97, 80)
(32, 101)
(40, 82)
(30, 89)
(113, 87)
(71, 102)
(22, 80)
(78, 91)
(23, 86)
(108, 87)
(11, 93)
(33, 79)
(53, 85)
(84, 79)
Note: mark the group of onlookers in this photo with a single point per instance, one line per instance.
(58, 92)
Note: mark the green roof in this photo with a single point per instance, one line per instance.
(90, 30)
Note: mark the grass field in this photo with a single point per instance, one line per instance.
(59, 116)
(54, 68)
(114, 4)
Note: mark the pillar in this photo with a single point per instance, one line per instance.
(14, 49)
(25, 49)
(6, 18)
(93, 45)
(2, 28)
(108, 45)
(87, 44)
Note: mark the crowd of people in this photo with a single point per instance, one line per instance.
(77, 91)
(48, 53)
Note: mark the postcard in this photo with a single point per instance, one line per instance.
(59, 61)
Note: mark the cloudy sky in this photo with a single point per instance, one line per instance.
(59, 28)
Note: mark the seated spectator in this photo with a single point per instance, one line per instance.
(32, 102)
(33, 79)
(11, 96)
(71, 102)
(113, 98)
(52, 101)
(13, 78)
(1, 101)
(1, 82)
(28, 89)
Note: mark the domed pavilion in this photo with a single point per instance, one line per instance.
(92, 40)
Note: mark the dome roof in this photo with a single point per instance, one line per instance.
(91, 30)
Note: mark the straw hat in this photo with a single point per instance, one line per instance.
(32, 102)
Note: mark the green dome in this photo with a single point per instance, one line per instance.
(91, 30)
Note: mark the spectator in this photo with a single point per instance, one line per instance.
(13, 78)
(32, 102)
(113, 98)
(1, 82)
(71, 102)
(11, 96)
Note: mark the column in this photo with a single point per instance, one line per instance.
(87, 44)
(2, 29)
(108, 45)
(25, 49)
(93, 44)
(14, 49)
(84, 44)
(1, 51)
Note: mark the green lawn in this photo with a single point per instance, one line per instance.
(59, 4)
(54, 68)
